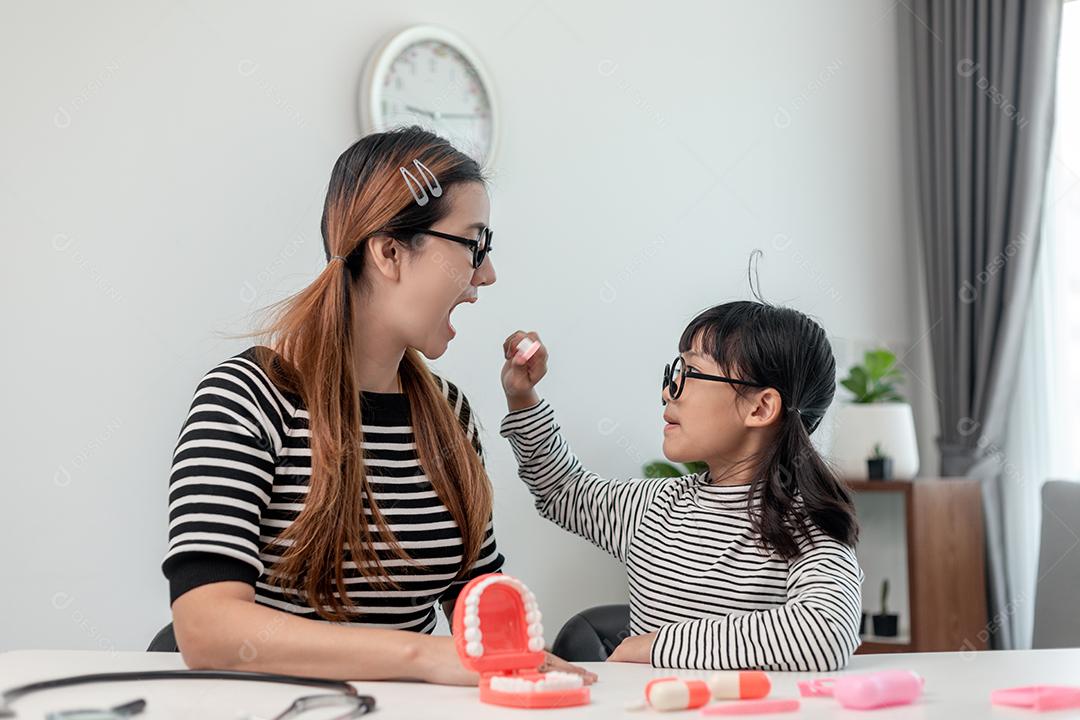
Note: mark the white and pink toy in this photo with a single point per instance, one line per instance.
(526, 348)
(498, 634)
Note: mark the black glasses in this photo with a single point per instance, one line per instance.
(675, 375)
(481, 246)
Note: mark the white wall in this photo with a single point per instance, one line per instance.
(162, 177)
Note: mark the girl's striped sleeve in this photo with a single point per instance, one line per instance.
(604, 512)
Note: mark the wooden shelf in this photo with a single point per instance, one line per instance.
(878, 647)
(943, 527)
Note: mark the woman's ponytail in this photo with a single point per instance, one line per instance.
(310, 355)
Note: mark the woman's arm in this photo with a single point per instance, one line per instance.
(817, 629)
(220, 626)
(604, 512)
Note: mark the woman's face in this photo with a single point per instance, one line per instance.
(439, 276)
(709, 421)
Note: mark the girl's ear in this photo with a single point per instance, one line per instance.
(766, 408)
(384, 255)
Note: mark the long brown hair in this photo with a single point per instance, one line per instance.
(309, 334)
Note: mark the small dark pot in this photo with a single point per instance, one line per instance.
(862, 625)
(879, 468)
(885, 625)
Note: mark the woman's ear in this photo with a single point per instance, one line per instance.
(765, 409)
(384, 256)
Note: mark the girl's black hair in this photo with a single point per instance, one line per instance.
(782, 348)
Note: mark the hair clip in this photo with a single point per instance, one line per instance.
(417, 190)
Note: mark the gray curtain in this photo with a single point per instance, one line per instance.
(980, 76)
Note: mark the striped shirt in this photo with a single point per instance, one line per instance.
(240, 476)
(697, 572)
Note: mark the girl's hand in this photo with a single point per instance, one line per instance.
(636, 648)
(519, 379)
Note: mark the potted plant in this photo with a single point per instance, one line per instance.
(664, 469)
(879, 465)
(885, 622)
(876, 415)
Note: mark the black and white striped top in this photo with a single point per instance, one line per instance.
(696, 570)
(240, 476)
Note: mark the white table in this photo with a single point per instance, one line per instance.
(958, 686)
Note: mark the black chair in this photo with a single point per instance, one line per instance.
(164, 641)
(593, 634)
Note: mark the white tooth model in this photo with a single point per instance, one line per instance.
(498, 633)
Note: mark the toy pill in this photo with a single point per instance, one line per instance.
(677, 694)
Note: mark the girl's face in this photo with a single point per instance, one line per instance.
(439, 276)
(709, 421)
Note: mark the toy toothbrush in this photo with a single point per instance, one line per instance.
(497, 633)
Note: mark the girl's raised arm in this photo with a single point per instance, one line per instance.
(604, 512)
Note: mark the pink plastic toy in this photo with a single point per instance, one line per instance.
(526, 348)
(866, 692)
(1038, 697)
(497, 633)
(752, 707)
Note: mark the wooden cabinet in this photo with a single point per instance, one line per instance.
(927, 536)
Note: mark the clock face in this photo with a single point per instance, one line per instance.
(429, 83)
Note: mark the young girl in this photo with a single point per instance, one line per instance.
(750, 564)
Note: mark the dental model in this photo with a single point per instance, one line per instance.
(525, 350)
(497, 633)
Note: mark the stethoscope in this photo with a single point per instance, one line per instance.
(347, 696)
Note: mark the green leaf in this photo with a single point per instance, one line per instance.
(879, 363)
(875, 380)
(661, 469)
(856, 382)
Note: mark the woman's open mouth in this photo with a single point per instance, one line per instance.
(449, 324)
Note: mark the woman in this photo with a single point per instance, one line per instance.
(328, 491)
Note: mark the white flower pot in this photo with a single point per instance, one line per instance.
(861, 426)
